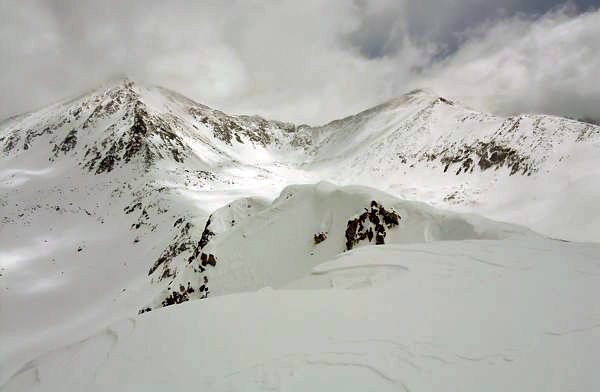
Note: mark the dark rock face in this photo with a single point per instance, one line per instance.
(486, 155)
(390, 218)
(148, 138)
(107, 164)
(369, 224)
(446, 101)
(319, 237)
(67, 144)
(182, 295)
(10, 142)
(181, 243)
(145, 310)
(207, 234)
(208, 260)
(199, 261)
(136, 134)
(136, 143)
(237, 128)
(350, 235)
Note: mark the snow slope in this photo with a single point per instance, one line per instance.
(256, 245)
(113, 203)
(535, 170)
(96, 189)
(460, 315)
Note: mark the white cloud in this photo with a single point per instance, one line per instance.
(546, 65)
(303, 61)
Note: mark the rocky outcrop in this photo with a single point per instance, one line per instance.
(198, 261)
(67, 144)
(149, 139)
(207, 234)
(371, 224)
(319, 237)
(239, 128)
(183, 294)
(484, 155)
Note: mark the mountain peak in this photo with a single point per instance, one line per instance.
(420, 97)
(421, 92)
(427, 94)
(119, 79)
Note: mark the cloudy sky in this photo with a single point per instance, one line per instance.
(308, 61)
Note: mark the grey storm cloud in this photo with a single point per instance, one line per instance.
(307, 61)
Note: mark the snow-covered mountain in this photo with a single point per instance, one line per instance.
(536, 170)
(131, 197)
(419, 146)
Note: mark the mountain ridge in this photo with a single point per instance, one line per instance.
(142, 112)
(420, 137)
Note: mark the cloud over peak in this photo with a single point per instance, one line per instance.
(309, 61)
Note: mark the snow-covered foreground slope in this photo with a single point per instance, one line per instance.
(471, 315)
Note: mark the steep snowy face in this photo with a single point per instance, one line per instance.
(423, 128)
(124, 122)
(536, 170)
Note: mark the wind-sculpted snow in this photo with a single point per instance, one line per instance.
(474, 315)
(257, 245)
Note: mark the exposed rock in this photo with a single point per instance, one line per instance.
(390, 218)
(369, 224)
(68, 143)
(488, 155)
(351, 233)
(107, 164)
(133, 207)
(212, 260)
(320, 237)
(207, 234)
(178, 222)
(10, 142)
(182, 242)
(175, 298)
(137, 133)
(208, 259)
(145, 310)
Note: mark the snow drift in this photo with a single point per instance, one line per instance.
(256, 245)
(475, 315)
